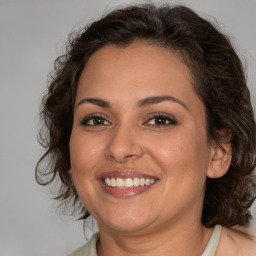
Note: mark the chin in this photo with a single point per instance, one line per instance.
(125, 223)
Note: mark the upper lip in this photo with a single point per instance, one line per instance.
(125, 174)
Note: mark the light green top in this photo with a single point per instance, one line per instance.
(89, 249)
(213, 242)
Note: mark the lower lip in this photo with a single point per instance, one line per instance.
(124, 192)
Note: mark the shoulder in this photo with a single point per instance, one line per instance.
(89, 249)
(80, 251)
(237, 242)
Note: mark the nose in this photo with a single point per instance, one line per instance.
(123, 145)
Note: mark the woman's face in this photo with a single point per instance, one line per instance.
(139, 150)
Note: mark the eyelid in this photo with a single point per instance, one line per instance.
(172, 120)
(94, 115)
(166, 116)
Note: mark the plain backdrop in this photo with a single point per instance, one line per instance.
(32, 34)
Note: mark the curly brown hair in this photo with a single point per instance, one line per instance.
(219, 81)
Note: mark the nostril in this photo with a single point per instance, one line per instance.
(130, 156)
(121, 158)
(122, 146)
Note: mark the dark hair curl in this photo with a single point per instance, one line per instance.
(219, 81)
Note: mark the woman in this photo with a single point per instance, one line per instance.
(151, 131)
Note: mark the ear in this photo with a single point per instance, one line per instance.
(221, 155)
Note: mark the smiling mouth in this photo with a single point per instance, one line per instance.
(128, 182)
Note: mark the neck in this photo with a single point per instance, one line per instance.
(176, 240)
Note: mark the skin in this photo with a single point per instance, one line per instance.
(237, 242)
(178, 153)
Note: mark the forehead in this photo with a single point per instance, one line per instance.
(137, 63)
(128, 74)
(136, 53)
(125, 76)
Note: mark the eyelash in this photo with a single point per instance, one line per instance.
(92, 118)
(163, 117)
(98, 117)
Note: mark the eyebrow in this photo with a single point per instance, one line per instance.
(142, 103)
(95, 101)
(158, 99)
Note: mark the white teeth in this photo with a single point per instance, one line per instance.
(136, 182)
(147, 182)
(107, 181)
(119, 182)
(128, 183)
(113, 182)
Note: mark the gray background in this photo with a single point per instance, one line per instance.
(32, 34)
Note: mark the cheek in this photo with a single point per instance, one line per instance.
(181, 154)
(83, 154)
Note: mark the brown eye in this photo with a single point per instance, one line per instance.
(95, 121)
(161, 120)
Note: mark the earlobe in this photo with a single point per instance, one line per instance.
(221, 156)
